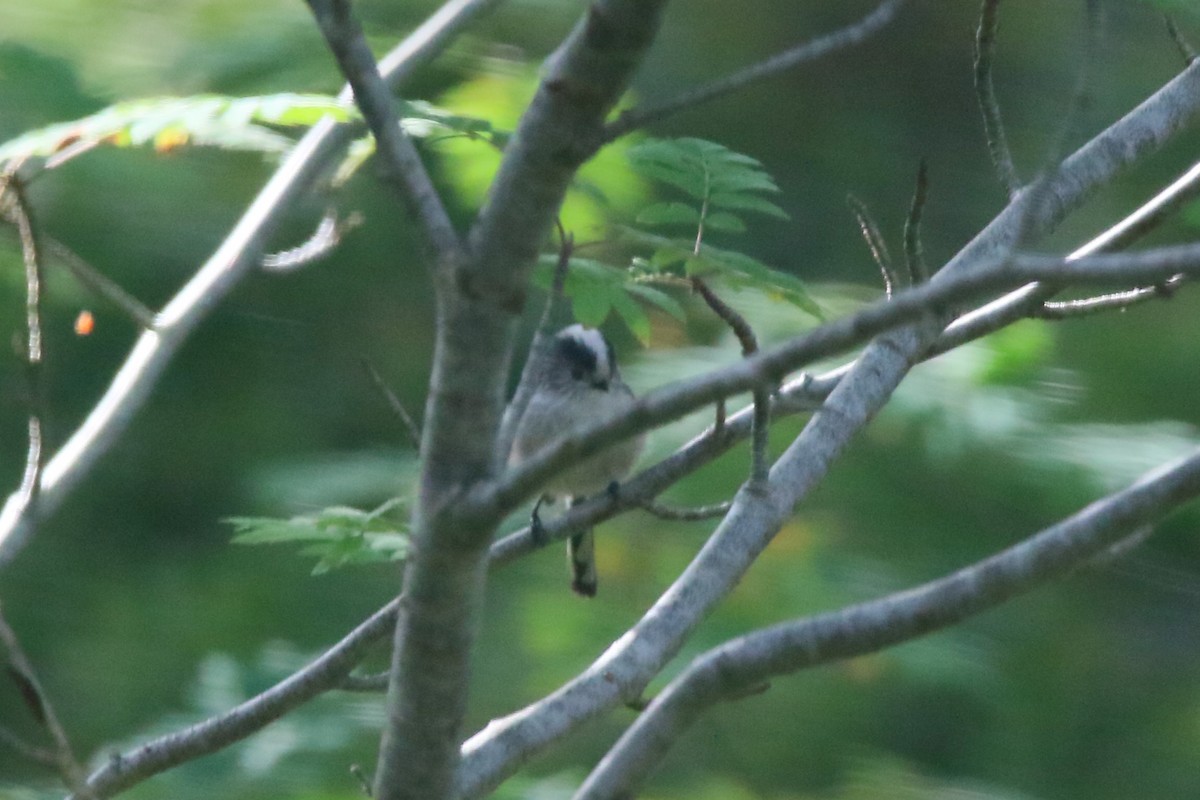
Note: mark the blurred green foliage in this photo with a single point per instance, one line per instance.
(141, 617)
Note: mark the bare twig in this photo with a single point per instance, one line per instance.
(325, 672)
(101, 284)
(1186, 51)
(729, 670)
(875, 243)
(685, 514)
(21, 670)
(16, 208)
(404, 171)
(914, 256)
(323, 241)
(813, 50)
(760, 433)
(38, 755)
(393, 402)
(993, 126)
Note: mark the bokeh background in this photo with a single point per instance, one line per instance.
(141, 616)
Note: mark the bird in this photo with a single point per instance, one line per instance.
(576, 383)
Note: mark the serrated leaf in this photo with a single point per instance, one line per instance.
(742, 180)
(658, 298)
(336, 536)
(724, 221)
(205, 120)
(669, 214)
(746, 202)
(689, 181)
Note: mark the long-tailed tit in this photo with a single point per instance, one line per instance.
(576, 383)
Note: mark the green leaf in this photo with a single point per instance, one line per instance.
(746, 202)
(591, 305)
(658, 298)
(669, 214)
(335, 536)
(669, 255)
(724, 221)
(633, 315)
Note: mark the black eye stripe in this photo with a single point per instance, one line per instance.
(581, 357)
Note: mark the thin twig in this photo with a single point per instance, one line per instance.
(760, 434)
(1186, 51)
(101, 284)
(18, 209)
(404, 171)
(686, 514)
(410, 425)
(993, 126)
(375, 682)
(812, 50)
(1115, 301)
(323, 241)
(914, 252)
(875, 243)
(21, 670)
(38, 755)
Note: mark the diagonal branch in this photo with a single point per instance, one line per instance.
(728, 671)
(624, 670)
(235, 258)
(404, 169)
(853, 34)
(974, 278)
(220, 731)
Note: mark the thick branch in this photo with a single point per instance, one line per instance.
(625, 669)
(478, 302)
(729, 670)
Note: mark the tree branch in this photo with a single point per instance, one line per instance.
(21, 670)
(725, 672)
(813, 50)
(478, 302)
(624, 670)
(404, 170)
(993, 125)
(994, 272)
(236, 256)
(324, 673)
